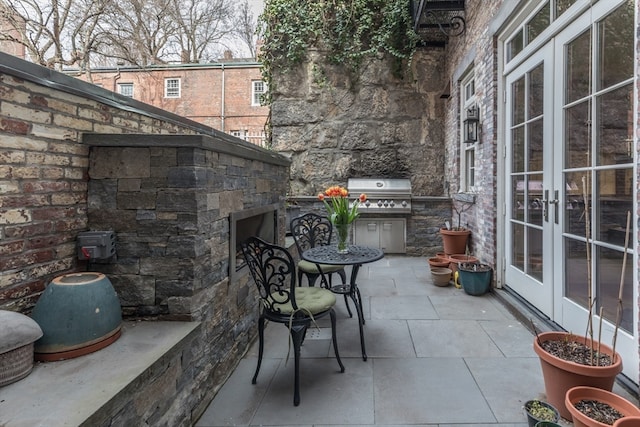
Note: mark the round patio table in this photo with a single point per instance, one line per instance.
(356, 256)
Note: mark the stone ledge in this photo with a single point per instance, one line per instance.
(93, 387)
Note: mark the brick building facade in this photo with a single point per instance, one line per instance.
(223, 95)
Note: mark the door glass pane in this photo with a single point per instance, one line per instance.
(615, 130)
(615, 41)
(515, 45)
(536, 140)
(536, 91)
(578, 67)
(518, 101)
(614, 200)
(535, 197)
(577, 136)
(517, 142)
(574, 201)
(517, 256)
(575, 272)
(608, 273)
(517, 189)
(534, 249)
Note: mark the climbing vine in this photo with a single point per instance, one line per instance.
(347, 31)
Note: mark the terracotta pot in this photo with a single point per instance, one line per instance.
(455, 259)
(560, 375)
(579, 393)
(633, 421)
(439, 262)
(454, 241)
(441, 276)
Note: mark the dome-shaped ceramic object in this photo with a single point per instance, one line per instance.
(17, 335)
(79, 313)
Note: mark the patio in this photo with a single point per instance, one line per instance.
(436, 356)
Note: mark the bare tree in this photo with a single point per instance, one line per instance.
(245, 28)
(54, 33)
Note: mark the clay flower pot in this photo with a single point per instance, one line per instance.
(579, 393)
(438, 262)
(561, 375)
(441, 276)
(632, 421)
(456, 259)
(454, 241)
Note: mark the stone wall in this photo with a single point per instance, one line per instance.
(383, 126)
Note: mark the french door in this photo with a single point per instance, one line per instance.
(570, 177)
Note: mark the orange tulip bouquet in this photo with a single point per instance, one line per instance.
(340, 213)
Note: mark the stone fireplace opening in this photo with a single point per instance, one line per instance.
(261, 222)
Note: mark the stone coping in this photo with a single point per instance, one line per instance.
(69, 392)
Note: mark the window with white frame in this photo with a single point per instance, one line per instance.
(467, 150)
(258, 88)
(172, 88)
(125, 89)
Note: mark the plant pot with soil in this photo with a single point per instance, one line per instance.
(456, 259)
(438, 262)
(475, 278)
(567, 362)
(454, 241)
(538, 411)
(594, 407)
(441, 276)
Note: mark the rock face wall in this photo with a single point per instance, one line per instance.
(381, 126)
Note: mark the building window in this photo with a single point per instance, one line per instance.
(125, 89)
(467, 151)
(258, 88)
(172, 88)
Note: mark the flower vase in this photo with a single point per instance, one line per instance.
(343, 232)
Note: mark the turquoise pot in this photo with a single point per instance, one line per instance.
(475, 278)
(79, 313)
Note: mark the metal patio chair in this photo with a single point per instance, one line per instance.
(308, 231)
(274, 273)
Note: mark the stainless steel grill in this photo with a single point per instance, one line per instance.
(384, 196)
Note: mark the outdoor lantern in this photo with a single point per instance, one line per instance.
(471, 125)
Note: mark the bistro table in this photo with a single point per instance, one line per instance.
(356, 256)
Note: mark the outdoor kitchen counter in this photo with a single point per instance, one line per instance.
(356, 256)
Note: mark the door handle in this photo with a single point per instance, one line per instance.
(545, 206)
(556, 204)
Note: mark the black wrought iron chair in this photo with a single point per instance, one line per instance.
(308, 231)
(273, 270)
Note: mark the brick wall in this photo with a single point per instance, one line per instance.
(217, 94)
(75, 157)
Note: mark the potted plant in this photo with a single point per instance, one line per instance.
(441, 276)
(454, 239)
(475, 278)
(568, 360)
(538, 411)
(594, 407)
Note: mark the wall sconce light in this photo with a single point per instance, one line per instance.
(471, 125)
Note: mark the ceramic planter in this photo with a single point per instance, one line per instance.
(632, 421)
(576, 394)
(475, 278)
(534, 419)
(441, 276)
(560, 375)
(454, 241)
(456, 259)
(439, 262)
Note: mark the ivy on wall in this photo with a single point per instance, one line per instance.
(348, 31)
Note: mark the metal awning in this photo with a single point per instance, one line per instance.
(437, 20)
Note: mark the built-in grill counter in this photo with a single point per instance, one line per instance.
(383, 217)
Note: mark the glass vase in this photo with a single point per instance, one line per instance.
(343, 232)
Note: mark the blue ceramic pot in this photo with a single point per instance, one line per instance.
(79, 313)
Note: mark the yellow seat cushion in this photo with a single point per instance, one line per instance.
(309, 301)
(309, 267)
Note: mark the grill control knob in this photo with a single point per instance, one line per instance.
(404, 203)
(367, 203)
(380, 203)
(391, 203)
(386, 203)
